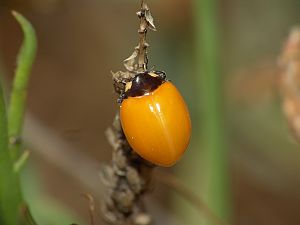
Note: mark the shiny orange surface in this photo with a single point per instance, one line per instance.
(157, 126)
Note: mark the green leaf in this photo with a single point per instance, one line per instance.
(12, 207)
(10, 195)
(19, 91)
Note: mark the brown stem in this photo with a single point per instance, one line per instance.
(128, 175)
(137, 62)
(142, 47)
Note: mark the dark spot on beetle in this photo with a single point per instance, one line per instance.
(144, 83)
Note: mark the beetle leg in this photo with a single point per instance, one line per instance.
(161, 74)
(121, 98)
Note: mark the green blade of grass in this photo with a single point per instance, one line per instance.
(10, 195)
(19, 91)
(12, 207)
(216, 161)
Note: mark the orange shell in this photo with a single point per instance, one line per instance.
(157, 126)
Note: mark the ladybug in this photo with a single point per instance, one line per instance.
(155, 118)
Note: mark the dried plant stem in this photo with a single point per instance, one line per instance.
(142, 47)
(138, 61)
(126, 180)
(128, 175)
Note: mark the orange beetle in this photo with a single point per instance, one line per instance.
(155, 118)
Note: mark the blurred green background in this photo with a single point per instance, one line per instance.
(255, 161)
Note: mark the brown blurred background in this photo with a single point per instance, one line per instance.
(81, 41)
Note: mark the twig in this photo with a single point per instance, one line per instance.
(126, 180)
(145, 18)
(138, 61)
(128, 175)
(142, 47)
